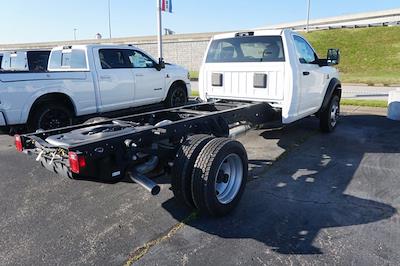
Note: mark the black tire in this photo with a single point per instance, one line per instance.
(207, 171)
(50, 116)
(181, 174)
(177, 96)
(329, 117)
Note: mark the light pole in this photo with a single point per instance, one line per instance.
(308, 15)
(109, 17)
(75, 29)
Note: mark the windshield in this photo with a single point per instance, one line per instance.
(246, 49)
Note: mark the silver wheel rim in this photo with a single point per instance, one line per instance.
(229, 178)
(335, 112)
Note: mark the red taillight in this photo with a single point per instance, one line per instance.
(76, 162)
(18, 143)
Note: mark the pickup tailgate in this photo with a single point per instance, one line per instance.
(244, 81)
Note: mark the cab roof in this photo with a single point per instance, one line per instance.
(90, 46)
(250, 33)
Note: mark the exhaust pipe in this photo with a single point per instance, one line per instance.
(239, 130)
(137, 175)
(145, 182)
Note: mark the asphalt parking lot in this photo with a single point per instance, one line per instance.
(312, 199)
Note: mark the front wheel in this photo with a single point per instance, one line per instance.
(219, 176)
(329, 117)
(177, 96)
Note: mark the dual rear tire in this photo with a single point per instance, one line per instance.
(210, 174)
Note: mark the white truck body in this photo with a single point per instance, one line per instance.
(78, 74)
(293, 84)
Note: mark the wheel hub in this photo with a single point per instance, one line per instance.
(335, 112)
(178, 98)
(229, 179)
(54, 119)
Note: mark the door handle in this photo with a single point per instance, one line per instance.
(105, 77)
(139, 75)
(306, 73)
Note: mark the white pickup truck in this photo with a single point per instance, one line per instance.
(89, 79)
(279, 67)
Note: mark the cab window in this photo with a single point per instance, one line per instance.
(304, 51)
(140, 60)
(246, 49)
(114, 58)
(68, 59)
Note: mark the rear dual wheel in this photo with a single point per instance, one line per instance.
(215, 175)
(50, 116)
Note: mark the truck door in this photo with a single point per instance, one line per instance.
(115, 79)
(311, 77)
(149, 82)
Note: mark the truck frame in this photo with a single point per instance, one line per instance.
(186, 142)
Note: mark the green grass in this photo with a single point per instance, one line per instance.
(368, 55)
(194, 75)
(368, 103)
(195, 93)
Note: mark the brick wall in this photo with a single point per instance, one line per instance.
(186, 53)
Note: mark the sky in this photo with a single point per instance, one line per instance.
(55, 20)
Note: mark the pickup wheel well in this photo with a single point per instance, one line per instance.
(334, 88)
(58, 98)
(178, 83)
(51, 98)
(177, 94)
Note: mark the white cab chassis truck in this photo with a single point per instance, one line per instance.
(279, 67)
(89, 79)
(247, 79)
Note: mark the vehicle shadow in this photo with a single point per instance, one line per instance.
(308, 190)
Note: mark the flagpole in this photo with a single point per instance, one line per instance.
(308, 16)
(160, 51)
(109, 17)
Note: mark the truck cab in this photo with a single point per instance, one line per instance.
(279, 67)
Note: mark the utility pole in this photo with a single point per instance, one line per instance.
(109, 17)
(308, 15)
(75, 29)
(159, 34)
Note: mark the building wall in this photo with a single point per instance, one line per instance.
(186, 53)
